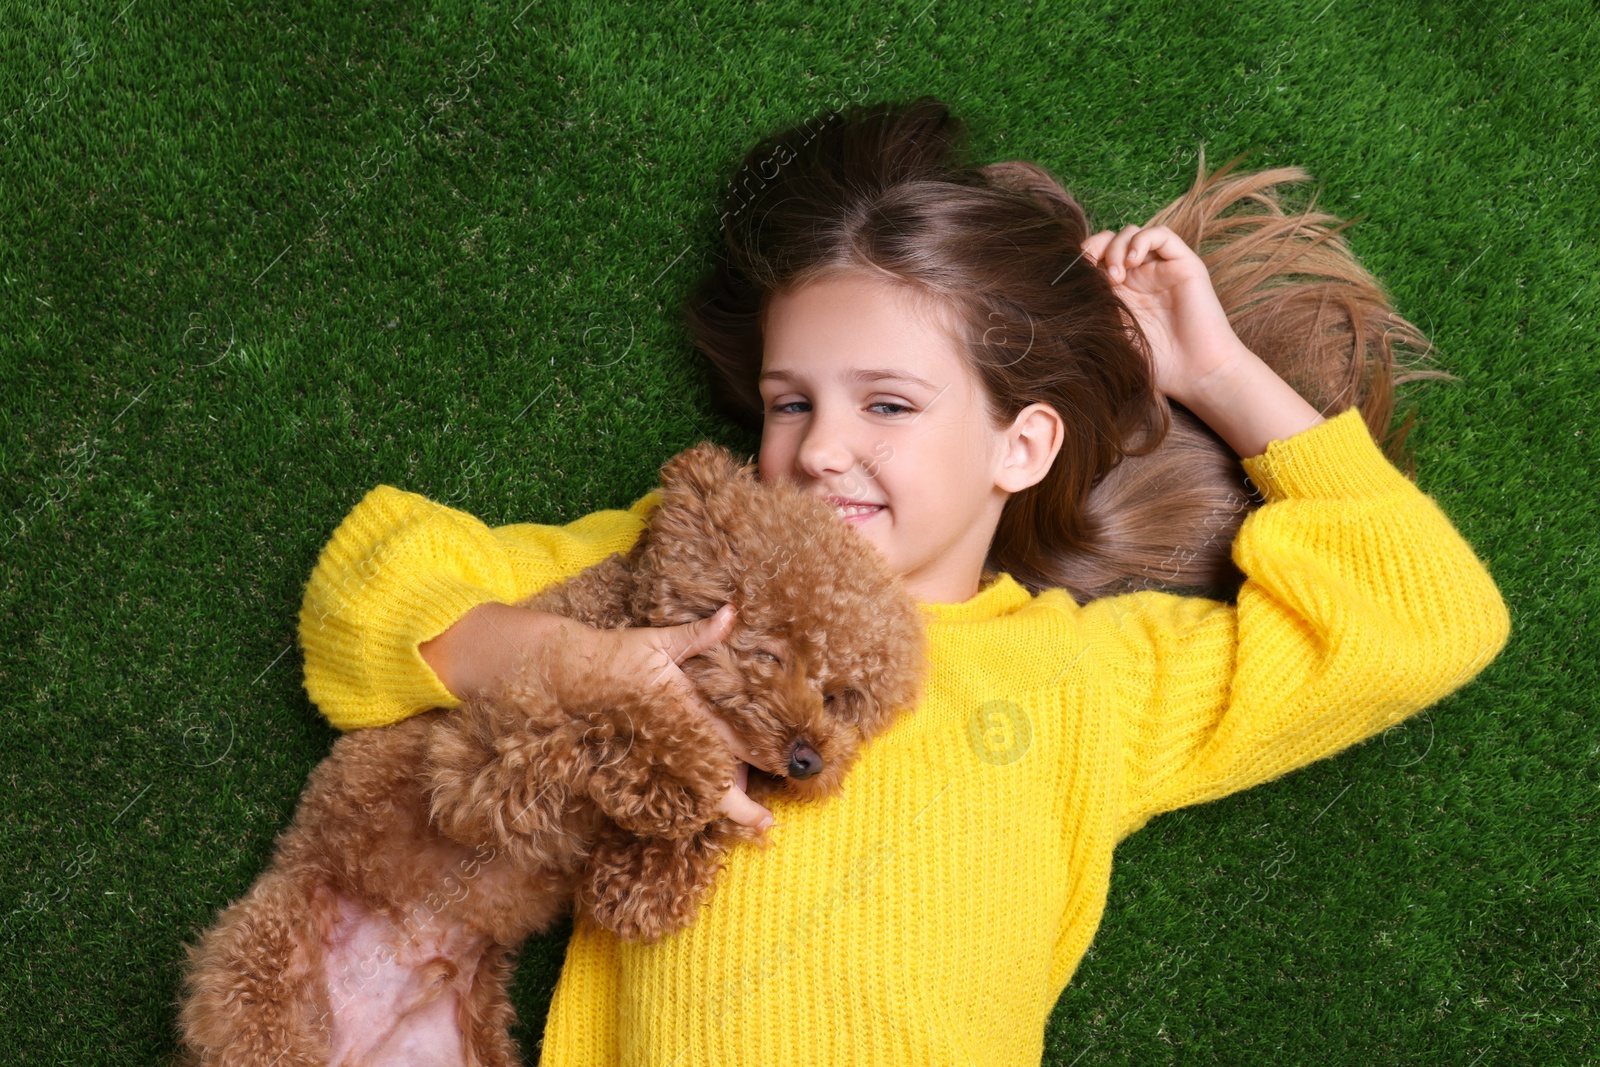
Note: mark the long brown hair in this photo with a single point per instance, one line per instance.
(1142, 494)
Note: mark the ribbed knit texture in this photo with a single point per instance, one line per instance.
(934, 911)
(401, 569)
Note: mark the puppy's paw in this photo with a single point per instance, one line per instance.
(657, 766)
(661, 797)
(504, 774)
(643, 888)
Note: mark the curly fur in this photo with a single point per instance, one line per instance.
(423, 853)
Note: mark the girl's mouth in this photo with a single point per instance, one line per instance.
(858, 513)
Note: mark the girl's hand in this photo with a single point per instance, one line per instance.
(1200, 362)
(1167, 287)
(656, 653)
(490, 641)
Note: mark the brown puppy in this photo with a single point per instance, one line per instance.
(422, 854)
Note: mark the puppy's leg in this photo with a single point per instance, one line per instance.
(644, 888)
(253, 994)
(486, 1015)
(504, 771)
(519, 771)
(659, 767)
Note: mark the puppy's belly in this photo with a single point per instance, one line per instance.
(394, 989)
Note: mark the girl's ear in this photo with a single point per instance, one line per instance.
(1029, 447)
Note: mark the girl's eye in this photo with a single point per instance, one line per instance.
(788, 407)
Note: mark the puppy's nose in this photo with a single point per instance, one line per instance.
(804, 761)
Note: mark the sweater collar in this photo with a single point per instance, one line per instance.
(1000, 597)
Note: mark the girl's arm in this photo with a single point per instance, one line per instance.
(409, 608)
(400, 570)
(1361, 604)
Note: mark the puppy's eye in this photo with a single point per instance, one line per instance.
(845, 703)
(768, 655)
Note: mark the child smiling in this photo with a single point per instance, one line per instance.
(949, 355)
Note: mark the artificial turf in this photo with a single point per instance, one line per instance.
(259, 258)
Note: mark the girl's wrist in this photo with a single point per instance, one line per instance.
(1248, 404)
(486, 644)
(1225, 363)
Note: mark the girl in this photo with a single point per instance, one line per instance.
(983, 388)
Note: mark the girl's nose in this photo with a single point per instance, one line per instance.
(825, 453)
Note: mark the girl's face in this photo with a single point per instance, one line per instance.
(869, 404)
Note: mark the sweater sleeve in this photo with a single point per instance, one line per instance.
(401, 569)
(1362, 605)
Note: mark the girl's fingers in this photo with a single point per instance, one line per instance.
(740, 808)
(1116, 256)
(735, 804)
(735, 743)
(1137, 247)
(678, 643)
(1095, 247)
(693, 638)
(1157, 241)
(1131, 247)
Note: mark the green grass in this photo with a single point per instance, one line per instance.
(252, 266)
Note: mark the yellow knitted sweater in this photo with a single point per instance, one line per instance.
(934, 911)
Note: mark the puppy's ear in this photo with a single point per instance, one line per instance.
(685, 570)
(700, 469)
(687, 482)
